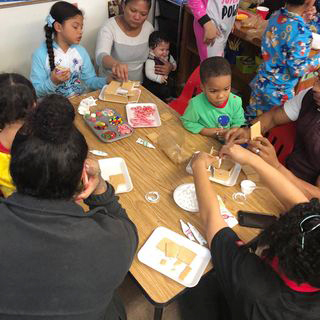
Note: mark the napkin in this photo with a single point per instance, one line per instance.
(85, 104)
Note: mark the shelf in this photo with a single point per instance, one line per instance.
(245, 77)
(194, 50)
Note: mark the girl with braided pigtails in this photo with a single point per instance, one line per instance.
(60, 65)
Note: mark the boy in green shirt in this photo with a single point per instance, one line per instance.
(215, 110)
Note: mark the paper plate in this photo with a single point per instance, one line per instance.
(185, 197)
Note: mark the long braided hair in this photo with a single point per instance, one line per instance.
(60, 12)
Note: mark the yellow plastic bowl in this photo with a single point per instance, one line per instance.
(241, 16)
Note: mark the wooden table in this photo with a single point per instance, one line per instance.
(151, 170)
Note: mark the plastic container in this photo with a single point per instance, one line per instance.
(114, 166)
(147, 111)
(150, 255)
(108, 125)
(247, 186)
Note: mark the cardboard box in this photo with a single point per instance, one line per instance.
(246, 64)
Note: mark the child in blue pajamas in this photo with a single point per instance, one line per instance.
(285, 50)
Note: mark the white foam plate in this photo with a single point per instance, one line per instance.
(113, 166)
(228, 183)
(315, 41)
(130, 114)
(185, 197)
(150, 255)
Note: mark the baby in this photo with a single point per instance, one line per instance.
(159, 45)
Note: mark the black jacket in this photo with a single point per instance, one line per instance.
(58, 262)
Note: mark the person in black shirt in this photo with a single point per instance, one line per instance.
(57, 261)
(273, 5)
(282, 281)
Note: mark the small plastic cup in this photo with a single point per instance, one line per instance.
(247, 186)
(262, 12)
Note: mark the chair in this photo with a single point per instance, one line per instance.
(283, 138)
(191, 89)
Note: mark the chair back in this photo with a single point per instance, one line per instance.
(191, 89)
(283, 139)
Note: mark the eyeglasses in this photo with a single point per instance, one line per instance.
(303, 229)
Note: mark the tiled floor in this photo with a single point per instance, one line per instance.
(139, 308)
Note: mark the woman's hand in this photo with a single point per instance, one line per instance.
(58, 77)
(164, 69)
(92, 180)
(266, 151)
(120, 71)
(237, 135)
(309, 14)
(201, 160)
(237, 153)
(211, 32)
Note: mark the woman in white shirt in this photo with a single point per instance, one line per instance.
(122, 44)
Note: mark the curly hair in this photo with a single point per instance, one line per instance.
(60, 12)
(156, 37)
(284, 238)
(296, 2)
(51, 146)
(214, 67)
(17, 97)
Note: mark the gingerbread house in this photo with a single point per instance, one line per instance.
(124, 92)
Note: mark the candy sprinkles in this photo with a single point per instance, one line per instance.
(108, 125)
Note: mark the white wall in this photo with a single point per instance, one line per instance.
(21, 31)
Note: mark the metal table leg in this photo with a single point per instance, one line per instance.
(158, 313)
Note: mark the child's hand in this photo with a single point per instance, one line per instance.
(266, 151)
(237, 135)
(211, 32)
(237, 153)
(59, 77)
(92, 180)
(164, 79)
(120, 71)
(219, 132)
(202, 160)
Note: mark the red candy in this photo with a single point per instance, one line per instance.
(143, 116)
(124, 129)
(108, 135)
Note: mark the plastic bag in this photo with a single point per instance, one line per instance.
(251, 23)
(171, 141)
